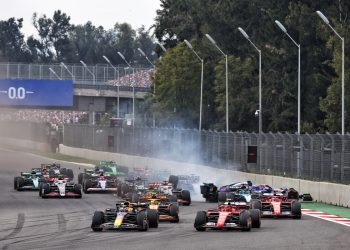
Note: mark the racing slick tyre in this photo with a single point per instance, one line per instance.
(135, 198)
(256, 218)
(172, 198)
(97, 221)
(186, 195)
(174, 212)
(153, 218)
(86, 186)
(45, 190)
(201, 219)
(80, 178)
(15, 182)
(70, 174)
(256, 204)
(19, 183)
(245, 220)
(141, 221)
(221, 197)
(77, 190)
(51, 173)
(296, 210)
(119, 189)
(124, 189)
(173, 179)
(41, 189)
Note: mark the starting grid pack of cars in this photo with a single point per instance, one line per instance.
(145, 198)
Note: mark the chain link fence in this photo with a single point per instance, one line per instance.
(318, 157)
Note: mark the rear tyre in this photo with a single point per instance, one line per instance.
(77, 190)
(86, 186)
(173, 179)
(245, 220)
(200, 221)
(221, 197)
(186, 195)
(153, 218)
(256, 204)
(15, 180)
(80, 178)
(296, 210)
(19, 183)
(97, 221)
(174, 209)
(256, 218)
(141, 221)
(70, 174)
(172, 198)
(46, 189)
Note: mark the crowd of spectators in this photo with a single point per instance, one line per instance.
(141, 79)
(54, 117)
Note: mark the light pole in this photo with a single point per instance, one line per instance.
(298, 45)
(93, 75)
(65, 66)
(225, 55)
(201, 94)
(53, 72)
(154, 71)
(115, 72)
(301, 150)
(133, 88)
(161, 46)
(260, 95)
(326, 21)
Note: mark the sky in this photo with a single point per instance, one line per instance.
(99, 12)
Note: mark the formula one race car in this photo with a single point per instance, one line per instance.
(28, 180)
(211, 193)
(110, 168)
(100, 183)
(166, 205)
(170, 187)
(126, 215)
(60, 188)
(279, 203)
(54, 170)
(230, 215)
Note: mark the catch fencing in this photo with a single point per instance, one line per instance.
(89, 74)
(318, 157)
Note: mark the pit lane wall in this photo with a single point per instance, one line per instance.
(330, 193)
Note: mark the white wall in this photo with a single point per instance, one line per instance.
(331, 193)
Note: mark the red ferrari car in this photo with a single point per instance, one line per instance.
(279, 204)
(230, 215)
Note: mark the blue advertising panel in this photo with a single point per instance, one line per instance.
(55, 93)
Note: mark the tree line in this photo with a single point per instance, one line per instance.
(178, 73)
(58, 40)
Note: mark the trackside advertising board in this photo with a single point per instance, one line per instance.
(54, 93)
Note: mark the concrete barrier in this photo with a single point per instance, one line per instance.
(331, 193)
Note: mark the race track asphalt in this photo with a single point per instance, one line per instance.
(29, 222)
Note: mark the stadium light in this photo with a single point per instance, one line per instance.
(65, 66)
(326, 21)
(53, 72)
(260, 90)
(298, 45)
(133, 87)
(161, 46)
(86, 67)
(225, 55)
(144, 54)
(189, 45)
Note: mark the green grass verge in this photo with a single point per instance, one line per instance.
(329, 209)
